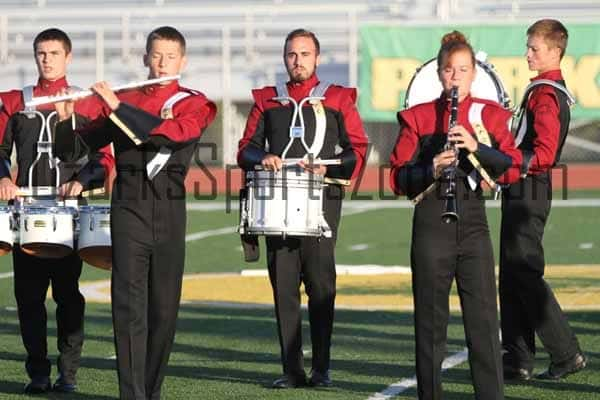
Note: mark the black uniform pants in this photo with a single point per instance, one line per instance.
(441, 253)
(146, 290)
(311, 261)
(32, 277)
(527, 303)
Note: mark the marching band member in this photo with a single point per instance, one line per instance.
(527, 304)
(309, 260)
(461, 250)
(154, 131)
(19, 126)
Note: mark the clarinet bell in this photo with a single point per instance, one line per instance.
(450, 213)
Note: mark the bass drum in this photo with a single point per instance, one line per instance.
(425, 85)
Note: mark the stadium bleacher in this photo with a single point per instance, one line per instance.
(112, 32)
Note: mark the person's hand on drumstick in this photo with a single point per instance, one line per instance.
(8, 190)
(317, 169)
(462, 139)
(70, 189)
(64, 109)
(271, 162)
(103, 90)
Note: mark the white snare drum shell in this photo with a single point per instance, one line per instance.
(46, 232)
(94, 243)
(6, 230)
(284, 203)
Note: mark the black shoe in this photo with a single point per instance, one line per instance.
(517, 373)
(289, 382)
(38, 385)
(320, 379)
(64, 385)
(558, 371)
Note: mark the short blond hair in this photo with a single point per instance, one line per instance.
(554, 33)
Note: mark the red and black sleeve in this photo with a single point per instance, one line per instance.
(503, 158)
(10, 103)
(545, 108)
(100, 163)
(190, 117)
(408, 175)
(251, 147)
(353, 140)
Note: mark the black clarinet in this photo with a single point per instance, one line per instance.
(450, 213)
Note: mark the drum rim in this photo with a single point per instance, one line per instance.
(89, 209)
(503, 97)
(31, 210)
(272, 175)
(287, 232)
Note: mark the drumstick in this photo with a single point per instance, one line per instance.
(316, 161)
(478, 167)
(36, 191)
(484, 174)
(337, 181)
(417, 199)
(293, 161)
(333, 181)
(93, 192)
(53, 191)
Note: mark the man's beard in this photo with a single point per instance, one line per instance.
(300, 74)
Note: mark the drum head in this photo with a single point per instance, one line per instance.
(46, 250)
(97, 256)
(425, 85)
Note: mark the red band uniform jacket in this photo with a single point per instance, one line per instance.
(269, 122)
(16, 129)
(153, 207)
(548, 117)
(148, 221)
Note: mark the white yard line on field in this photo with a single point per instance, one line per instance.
(6, 275)
(344, 269)
(212, 232)
(232, 229)
(401, 386)
(387, 204)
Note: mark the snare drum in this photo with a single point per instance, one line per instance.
(94, 244)
(6, 230)
(288, 203)
(46, 232)
(425, 85)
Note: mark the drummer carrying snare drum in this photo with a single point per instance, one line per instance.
(332, 129)
(19, 126)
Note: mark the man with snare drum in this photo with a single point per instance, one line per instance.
(20, 127)
(333, 129)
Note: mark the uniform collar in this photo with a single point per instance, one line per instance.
(553, 75)
(161, 90)
(44, 86)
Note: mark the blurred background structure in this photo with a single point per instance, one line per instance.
(236, 45)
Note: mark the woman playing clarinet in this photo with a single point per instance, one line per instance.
(451, 144)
